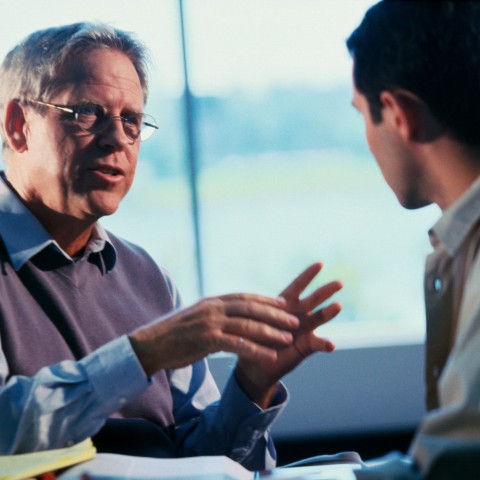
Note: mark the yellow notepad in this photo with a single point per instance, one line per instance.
(27, 465)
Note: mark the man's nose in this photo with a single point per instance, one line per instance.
(114, 135)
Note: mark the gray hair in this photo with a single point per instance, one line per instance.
(38, 66)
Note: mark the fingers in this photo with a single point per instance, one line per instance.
(264, 309)
(223, 321)
(312, 343)
(320, 344)
(315, 299)
(323, 316)
(301, 282)
(258, 332)
(277, 302)
(246, 348)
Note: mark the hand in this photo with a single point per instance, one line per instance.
(258, 379)
(250, 325)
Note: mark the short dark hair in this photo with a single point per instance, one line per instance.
(431, 49)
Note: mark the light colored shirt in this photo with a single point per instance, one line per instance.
(452, 298)
(452, 302)
(66, 402)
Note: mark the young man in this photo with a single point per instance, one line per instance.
(93, 338)
(416, 74)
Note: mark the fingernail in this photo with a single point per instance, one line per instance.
(288, 336)
(294, 321)
(330, 347)
(281, 301)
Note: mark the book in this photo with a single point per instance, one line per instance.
(28, 465)
(110, 465)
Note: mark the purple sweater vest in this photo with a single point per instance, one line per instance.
(52, 310)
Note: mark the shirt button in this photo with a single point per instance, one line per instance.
(70, 443)
(122, 400)
(437, 284)
(435, 372)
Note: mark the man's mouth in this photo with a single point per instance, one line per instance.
(106, 170)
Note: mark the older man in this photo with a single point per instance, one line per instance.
(93, 339)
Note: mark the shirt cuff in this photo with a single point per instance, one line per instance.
(246, 416)
(115, 374)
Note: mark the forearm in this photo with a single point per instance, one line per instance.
(67, 402)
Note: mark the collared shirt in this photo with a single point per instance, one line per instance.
(111, 376)
(24, 236)
(452, 297)
(452, 301)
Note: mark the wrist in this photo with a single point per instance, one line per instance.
(261, 393)
(140, 348)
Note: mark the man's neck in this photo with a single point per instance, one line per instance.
(452, 168)
(71, 241)
(71, 234)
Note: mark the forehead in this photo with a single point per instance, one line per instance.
(105, 73)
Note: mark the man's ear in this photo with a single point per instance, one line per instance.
(15, 126)
(405, 112)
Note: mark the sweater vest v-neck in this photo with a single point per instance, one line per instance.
(53, 309)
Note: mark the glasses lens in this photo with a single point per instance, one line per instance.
(132, 125)
(148, 127)
(91, 117)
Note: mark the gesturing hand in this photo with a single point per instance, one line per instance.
(253, 326)
(258, 379)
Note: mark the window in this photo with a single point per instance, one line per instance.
(283, 172)
(285, 175)
(283, 178)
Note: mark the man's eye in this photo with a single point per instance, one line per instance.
(90, 110)
(133, 119)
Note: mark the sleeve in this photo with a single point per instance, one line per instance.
(231, 425)
(457, 420)
(393, 466)
(67, 402)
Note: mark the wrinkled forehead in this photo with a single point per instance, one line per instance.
(103, 68)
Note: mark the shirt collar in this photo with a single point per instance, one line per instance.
(458, 220)
(24, 236)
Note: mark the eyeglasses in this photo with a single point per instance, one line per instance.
(93, 118)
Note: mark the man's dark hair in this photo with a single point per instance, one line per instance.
(431, 49)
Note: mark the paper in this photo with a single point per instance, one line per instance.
(27, 465)
(316, 472)
(108, 466)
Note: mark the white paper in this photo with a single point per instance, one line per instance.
(108, 466)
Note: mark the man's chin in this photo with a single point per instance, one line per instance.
(414, 203)
(102, 205)
(97, 211)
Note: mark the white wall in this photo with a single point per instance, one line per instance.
(349, 391)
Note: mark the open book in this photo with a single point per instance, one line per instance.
(28, 465)
(113, 466)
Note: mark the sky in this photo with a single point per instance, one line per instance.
(232, 44)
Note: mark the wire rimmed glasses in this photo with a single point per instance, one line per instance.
(95, 119)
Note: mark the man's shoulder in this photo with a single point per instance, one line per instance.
(134, 261)
(132, 254)
(123, 245)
